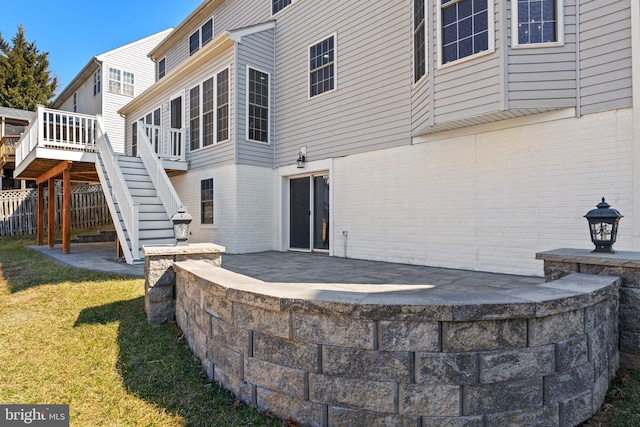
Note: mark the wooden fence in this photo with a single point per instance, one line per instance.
(19, 210)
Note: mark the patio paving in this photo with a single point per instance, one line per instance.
(298, 267)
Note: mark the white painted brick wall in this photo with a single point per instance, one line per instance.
(487, 201)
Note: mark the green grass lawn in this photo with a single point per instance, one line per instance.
(79, 337)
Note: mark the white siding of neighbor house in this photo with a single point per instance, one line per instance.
(243, 207)
(257, 52)
(231, 15)
(486, 200)
(370, 109)
(87, 102)
(605, 55)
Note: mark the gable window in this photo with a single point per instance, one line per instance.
(162, 68)
(278, 5)
(75, 102)
(223, 105)
(419, 40)
(538, 21)
(466, 28)
(257, 105)
(322, 67)
(201, 36)
(121, 82)
(206, 201)
(96, 82)
(209, 111)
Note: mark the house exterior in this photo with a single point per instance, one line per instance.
(109, 81)
(462, 134)
(424, 142)
(13, 122)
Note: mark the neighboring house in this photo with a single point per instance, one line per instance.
(13, 123)
(109, 81)
(464, 134)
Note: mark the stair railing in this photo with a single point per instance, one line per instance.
(129, 210)
(153, 163)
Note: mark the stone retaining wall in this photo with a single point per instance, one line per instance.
(561, 262)
(311, 352)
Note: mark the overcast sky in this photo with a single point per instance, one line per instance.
(74, 31)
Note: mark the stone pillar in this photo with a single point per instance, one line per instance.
(160, 279)
(626, 265)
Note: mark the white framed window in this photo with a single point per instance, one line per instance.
(322, 66)
(207, 202)
(466, 29)
(97, 84)
(209, 111)
(201, 36)
(278, 5)
(257, 105)
(419, 40)
(121, 82)
(537, 23)
(162, 68)
(75, 102)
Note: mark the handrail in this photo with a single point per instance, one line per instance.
(168, 143)
(164, 188)
(57, 129)
(129, 210)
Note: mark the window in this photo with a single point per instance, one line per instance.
(121, 82)
(322, 67)
(419, 40)
(96, 82)
(278, 5)
(75, 102)
(194, 120)
(538, 21)
(257, 105)
(134, 139)
(223, 105)
(209, 111)
(162, 68)
(206, 201)
(201, 36)
(466, 28)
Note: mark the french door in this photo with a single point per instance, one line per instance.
(309, 213)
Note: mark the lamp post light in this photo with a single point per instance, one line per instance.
(181, 221)
(603, 227)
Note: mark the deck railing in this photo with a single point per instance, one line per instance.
(58, 129)
(153, 162)
(168, 143)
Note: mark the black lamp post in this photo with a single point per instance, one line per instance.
(603, 226)
(181, 221)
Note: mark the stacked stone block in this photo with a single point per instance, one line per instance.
(545, 358)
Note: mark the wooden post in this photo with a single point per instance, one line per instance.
(66, 211)
(41, 214)
(51, 211)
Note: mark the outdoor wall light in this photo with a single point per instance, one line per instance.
(603, 226)
(181, 221)
(301, 160)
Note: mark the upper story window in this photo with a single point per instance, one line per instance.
(257, 105)
(162, 68)
(419, 40)
(75, 102)
(278, 5)
(201, 36)
(97, 77)
(466, 28)
(121, 82)
(322, 65)
(537, 22)
(209, 111)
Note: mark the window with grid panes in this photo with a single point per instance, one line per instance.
(258, 106)
(206, 201)
(194, 118)
(222, 80)
(322, 67)
(419, 37)
(465, 28)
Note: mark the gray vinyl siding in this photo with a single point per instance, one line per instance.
(371, 107)
(605, 55)
(231, 15)
(545, 77)
(255, 51)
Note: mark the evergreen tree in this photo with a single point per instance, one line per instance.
(25, 80)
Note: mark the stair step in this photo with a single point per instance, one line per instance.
(152, 242)
(142, 192)
(147, 184)
(147, 224)
(146, 200)
(156, 234)
(132, 172)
